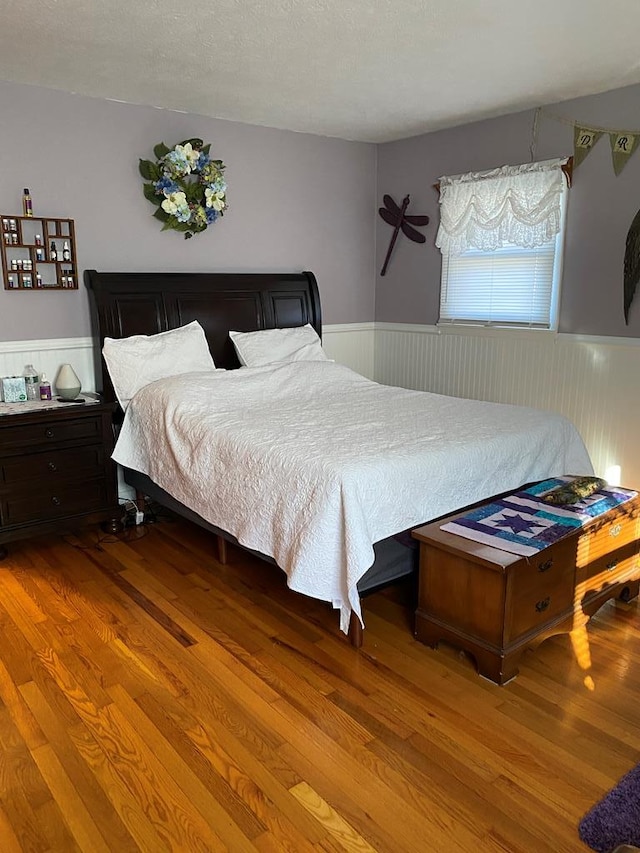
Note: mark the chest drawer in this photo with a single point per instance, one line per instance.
(52, 466)
(45, 432)
(541, 588)
(617, 529)
(613, 568)
(54, 502)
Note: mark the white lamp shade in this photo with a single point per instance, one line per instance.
(67, 383)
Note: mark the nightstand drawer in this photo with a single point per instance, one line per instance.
(52, 466)
(52, 502)
(50, 432)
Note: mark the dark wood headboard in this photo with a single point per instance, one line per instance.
(124, 304)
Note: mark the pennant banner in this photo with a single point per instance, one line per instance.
(623, 144)
(583, 141)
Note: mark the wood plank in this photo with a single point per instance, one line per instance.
(326, 815)
(77, 816)
(64, 741)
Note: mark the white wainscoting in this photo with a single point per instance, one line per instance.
(593, 381)
(351, 344)
(47, 356)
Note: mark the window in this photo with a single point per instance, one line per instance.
(501, 236)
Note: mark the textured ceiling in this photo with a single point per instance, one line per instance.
(371, 70)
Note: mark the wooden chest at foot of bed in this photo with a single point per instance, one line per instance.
(494, 604)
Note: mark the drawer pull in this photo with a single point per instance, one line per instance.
(49, 432)
(55, 501)
(615, 530)
(544, 567)
(53, 466)
(611, 566)
(541, 606)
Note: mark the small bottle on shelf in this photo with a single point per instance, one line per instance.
(66, 252)
(53, 252)
(13, 225)
(12, 281)
(5, 224)
(38, 280)
(38, 239)
(27, 204)
(39, 253)
(45, 388)
(31, 381)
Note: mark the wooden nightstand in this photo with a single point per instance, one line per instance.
(494, 604)
(55, 469)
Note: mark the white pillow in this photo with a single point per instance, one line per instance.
(300, 343)
(141, 359)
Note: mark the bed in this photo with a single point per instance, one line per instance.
(346, 506)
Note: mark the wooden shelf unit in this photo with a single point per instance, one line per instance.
(23, 260)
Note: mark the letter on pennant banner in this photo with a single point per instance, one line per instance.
(623, 145)
(583, 141)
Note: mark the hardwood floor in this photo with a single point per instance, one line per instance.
(152, 699)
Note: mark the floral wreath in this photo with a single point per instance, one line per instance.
(187, 186)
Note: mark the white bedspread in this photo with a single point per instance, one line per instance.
(311, 463)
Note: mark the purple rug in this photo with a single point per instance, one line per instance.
(616, 818)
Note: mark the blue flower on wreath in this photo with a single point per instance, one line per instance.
(186, 186)
(166, 186)
(203, 160)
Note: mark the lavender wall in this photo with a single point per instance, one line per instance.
(297, 201)
(601, 208)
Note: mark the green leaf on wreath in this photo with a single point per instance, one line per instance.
(206, 148)
(146, 167)
(162, 215)
(194, 192)
(150, 193)
(161, 150)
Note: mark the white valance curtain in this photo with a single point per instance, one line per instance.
(516, 205)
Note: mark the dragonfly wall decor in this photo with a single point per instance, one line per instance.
(398, 217)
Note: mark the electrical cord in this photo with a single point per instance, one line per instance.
(154, 514)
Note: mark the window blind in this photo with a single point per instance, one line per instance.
(511, 285)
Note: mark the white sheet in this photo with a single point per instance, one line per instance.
(311, 463)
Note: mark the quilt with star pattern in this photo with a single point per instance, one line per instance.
(523, 523)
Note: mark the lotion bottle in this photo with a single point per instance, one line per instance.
(45, 388)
